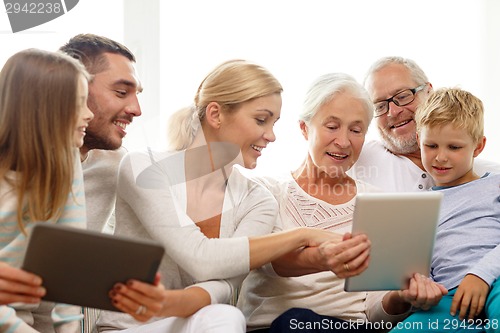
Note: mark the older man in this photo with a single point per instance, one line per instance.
(397, 86)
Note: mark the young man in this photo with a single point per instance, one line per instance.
(465, 260)
(397, 86)
(113, 100)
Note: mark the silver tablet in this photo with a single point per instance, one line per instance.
(401, 228)
(80, 266)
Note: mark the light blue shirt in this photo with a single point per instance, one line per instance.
(468, 234)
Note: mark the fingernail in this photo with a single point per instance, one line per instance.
(118, 286)
(130, 283)
(41, 291)
(112, 293)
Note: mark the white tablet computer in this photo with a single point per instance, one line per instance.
(80, 266)
(401, 228)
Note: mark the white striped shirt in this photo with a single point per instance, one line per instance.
(13, 244)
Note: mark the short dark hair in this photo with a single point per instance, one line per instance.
(90, 50)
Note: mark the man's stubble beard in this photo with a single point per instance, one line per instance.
(399, 146)
(98, 138)
(93, 141)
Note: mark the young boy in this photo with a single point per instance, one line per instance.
(466, 257)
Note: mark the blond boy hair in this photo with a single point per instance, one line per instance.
(452, 106)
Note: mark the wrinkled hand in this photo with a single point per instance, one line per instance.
(348, 258)
(140, 300)
(423, 293)
(17, 285)
(470, 297)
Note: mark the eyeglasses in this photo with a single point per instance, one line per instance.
(402, 98)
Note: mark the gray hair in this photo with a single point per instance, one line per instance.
(417, 74)
(324, 90)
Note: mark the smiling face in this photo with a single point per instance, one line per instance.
(113, 100)
(336, 134)
(448, 154)
(251, 126)
(84, 115)
(397, 126)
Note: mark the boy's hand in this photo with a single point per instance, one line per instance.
(470, 297)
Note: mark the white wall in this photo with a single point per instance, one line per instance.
(142, 36)
(300, 40)
(489, 89)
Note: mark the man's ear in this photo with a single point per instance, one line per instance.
(213, 114)
(480, 146)
(303, 129)
(429, 88)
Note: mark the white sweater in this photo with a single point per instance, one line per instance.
(151, 204)
(100, 174)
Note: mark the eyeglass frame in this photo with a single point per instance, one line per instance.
(413, 91)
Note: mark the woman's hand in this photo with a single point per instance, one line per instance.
(349, 257)
(422, 293)
(17, 285)
(140, 300)
(144, 301)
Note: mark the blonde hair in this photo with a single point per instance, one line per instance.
(452, 106)
(230, 84)
(38, 115)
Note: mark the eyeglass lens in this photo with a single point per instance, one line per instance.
(402, 98)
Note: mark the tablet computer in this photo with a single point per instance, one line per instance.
(80, 267)
(402, 229)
